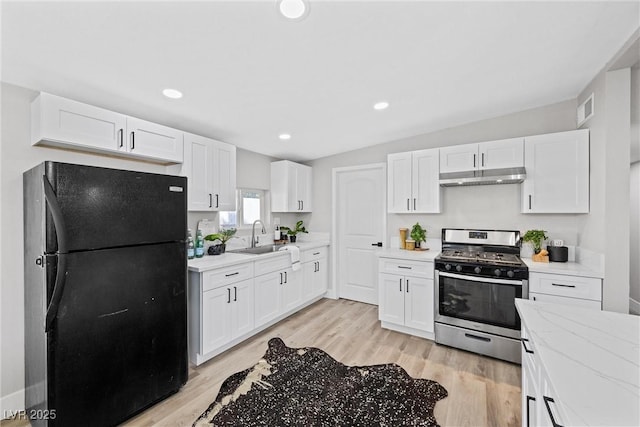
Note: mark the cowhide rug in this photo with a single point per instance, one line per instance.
(307, 387)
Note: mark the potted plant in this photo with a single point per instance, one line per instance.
(418, 234)
(292, 232)
(223, 237)
(535, 237)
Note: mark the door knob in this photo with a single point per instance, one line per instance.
(379, 244)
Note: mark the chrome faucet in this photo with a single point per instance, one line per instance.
(254, 240)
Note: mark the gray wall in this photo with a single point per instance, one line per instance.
(634, 226)
(489, 206)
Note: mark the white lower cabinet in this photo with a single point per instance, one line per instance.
(227, 313)
(566, 289)
(227, 305)
(540, 405)
(406, 301)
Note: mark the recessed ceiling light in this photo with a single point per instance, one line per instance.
(172, 93)
(460, 182)
(284, 136)
(293, 9)
(381, 105)
(498, 180)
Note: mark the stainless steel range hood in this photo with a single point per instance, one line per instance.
(483, 177)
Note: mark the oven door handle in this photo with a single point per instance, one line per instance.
(481, 279)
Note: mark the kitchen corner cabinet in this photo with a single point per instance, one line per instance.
(501, 154)
(61, 122)
(210, 167)
(406, 296)
(412, 182)
(557, 167)
(290, 187)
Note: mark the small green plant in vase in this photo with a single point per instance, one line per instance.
(418, 234)
(293, 232)
(535, 237)
(223, 237)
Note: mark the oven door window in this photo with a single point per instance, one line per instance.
(483, 302)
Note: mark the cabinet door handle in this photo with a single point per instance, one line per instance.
(529, 201)
(529, 399)
(315, 267)
(121, 133)
(548, 400)
(316, 253)
(210, 200)
(133, 140)
(407, 287)
(406, 268)
(414, 204)
(474, 160)
(523, 340)
(228, 296)
(302, 205)
(408, 201)
(235, 293)
(400, 284)
(563, 286)
(281, 278)
(483, 159)
(217, 201)
(285, 277)
(232, 274)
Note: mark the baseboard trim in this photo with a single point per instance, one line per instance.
(634, 307)
(11, 404)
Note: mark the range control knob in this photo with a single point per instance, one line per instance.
(477, 270)
(447, 267)
(497, 272)
(510, 273)
(458, 268)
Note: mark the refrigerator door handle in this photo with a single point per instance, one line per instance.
(61, 233)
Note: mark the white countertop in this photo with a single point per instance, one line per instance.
(210, 262)
(592, 359)
(568, 268)
(427, 255)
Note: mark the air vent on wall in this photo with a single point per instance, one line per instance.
(585, 110)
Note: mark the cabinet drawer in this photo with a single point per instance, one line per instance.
(578, 302)
(566, 286)
(313, 254)
(276, 263)
(227, 275)
(406, 268)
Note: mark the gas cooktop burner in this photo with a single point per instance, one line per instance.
(481, 257)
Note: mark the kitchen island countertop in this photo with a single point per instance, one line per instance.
(592, 359)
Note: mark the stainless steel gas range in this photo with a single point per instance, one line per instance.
(479, 274)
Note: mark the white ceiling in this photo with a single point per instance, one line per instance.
(248, 74)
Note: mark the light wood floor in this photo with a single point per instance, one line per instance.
(482, 391)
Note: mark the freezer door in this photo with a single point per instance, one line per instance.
(118, 343)
(105, 208)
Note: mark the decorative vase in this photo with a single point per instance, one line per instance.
(410, 245)
(216, 249)
(292, 239)
(403, 237)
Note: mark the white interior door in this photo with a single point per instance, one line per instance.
(360, 222)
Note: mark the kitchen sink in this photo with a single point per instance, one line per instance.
(258, 250)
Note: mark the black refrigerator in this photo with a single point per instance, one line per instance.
(105, 292)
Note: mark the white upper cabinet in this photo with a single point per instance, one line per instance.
(151, 140)
(62, 122)
(290, 187)
(412, 182)
(210, 166)
(557, 167)
(505, 153)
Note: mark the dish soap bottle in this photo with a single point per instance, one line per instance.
(199, 244)
(276, 235)
(190, 246)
